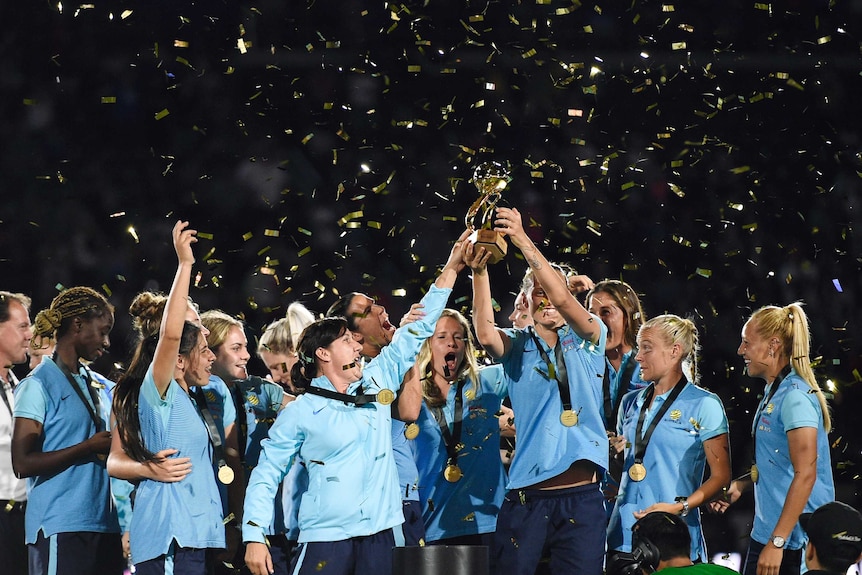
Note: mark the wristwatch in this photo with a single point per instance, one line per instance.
(684, 501)
(777, 541)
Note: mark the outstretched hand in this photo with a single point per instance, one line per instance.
(415, 314)
(183, 240)
(508, 222)
(456, 256)
(476, 257)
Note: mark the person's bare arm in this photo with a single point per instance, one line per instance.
(28, 459)
(493, 340)
(171, 330)
(508, 221)
(802, 444)
(162, 467)
(409, 403)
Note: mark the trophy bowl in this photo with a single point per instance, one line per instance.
(490, 179)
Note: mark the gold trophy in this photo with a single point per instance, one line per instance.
(490, 178)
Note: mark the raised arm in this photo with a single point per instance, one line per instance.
(493, 340)
(454, 265)
(171, 330)
(508, 222)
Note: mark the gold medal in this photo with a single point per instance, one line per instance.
(755, 474)
(637, 472)
(569, 417)
(452, 473)
(385, 396)
(225, 474)
(411, 431)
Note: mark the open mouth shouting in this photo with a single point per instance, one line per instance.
(450, 363)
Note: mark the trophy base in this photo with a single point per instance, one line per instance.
(492, 241)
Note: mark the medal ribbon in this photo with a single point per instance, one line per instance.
(358, 400)
(612, 408)
(560, 374)
(784, 373)
(94, 408)
(641, 443)
(212, 430)
(451, 440)
(242, 417)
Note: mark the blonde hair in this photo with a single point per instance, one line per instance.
(219, 325)
(468, 369)
(789, 325)
(528, 282)
(681, 331)
(281, 336)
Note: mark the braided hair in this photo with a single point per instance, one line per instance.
(76, 302)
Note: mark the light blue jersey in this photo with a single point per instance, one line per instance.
(261, 402)
(352, 482)
(189, 511)
(470, 505)
(674, 459)
(547, 448)
(615, 378)
(221, 407)
(793, 406)
(78, 498)
(405, 464)
(120, 488)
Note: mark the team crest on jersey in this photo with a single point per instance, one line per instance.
(770, 407)
(675, 415)
(253, 399)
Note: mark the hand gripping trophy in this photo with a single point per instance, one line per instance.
(490, 178)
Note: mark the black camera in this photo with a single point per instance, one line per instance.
(621, 563)
(644, 558)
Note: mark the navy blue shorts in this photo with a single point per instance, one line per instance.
(13, 550)
(179, 560)
(567, 525)
(354, 556)
(281, 550)
(77, 553)
(413, 528)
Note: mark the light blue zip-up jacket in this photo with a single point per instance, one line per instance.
(353, 486)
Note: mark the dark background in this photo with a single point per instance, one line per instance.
(706, 152)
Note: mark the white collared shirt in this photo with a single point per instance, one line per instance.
(10, 486)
